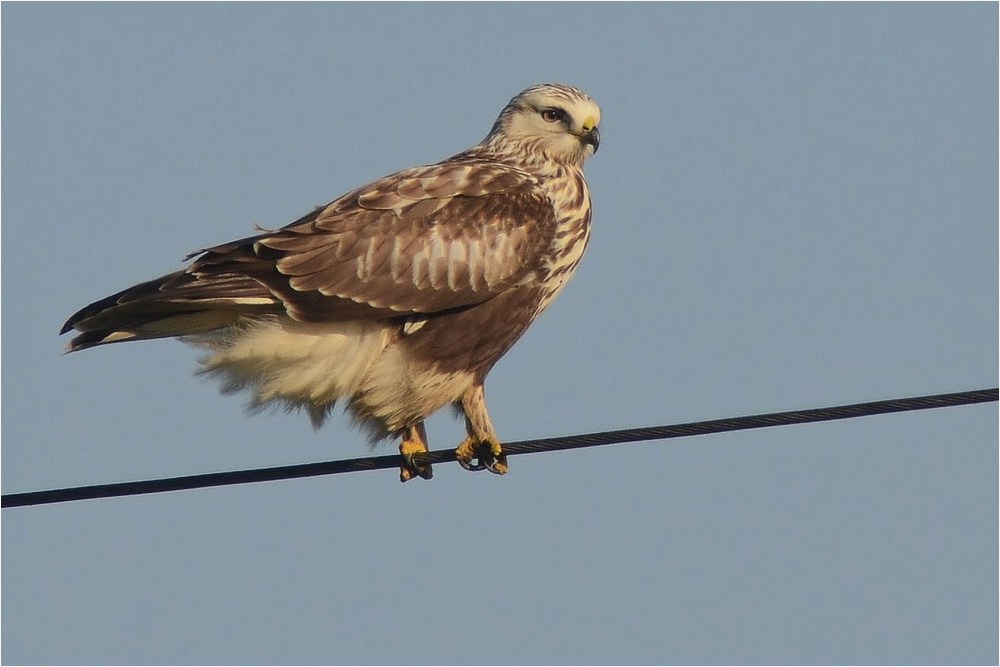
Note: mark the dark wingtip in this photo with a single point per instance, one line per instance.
(86, 312)
(87, 339)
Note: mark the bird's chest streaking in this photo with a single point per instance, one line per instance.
(571, 197)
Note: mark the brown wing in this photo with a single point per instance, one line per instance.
(424, 240)
(419, 241)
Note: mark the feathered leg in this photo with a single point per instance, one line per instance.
(482, 442)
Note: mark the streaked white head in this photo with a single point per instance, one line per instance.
(557, 121)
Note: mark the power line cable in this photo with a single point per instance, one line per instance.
(511, 448)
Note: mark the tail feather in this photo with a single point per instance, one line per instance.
(177, 304)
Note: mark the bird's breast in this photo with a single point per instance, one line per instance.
(571, 200)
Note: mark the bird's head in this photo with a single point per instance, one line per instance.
(555, 120)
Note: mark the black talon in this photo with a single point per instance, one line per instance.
(473, 467)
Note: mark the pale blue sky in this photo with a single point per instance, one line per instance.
(794, 206)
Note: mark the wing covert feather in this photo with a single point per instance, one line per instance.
(423, 240)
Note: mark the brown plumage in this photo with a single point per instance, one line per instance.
(398, 297)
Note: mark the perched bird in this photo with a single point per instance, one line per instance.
(396, 298)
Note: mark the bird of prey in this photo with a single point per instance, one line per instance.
(398, 297)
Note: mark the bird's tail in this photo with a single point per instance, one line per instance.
(177, 304)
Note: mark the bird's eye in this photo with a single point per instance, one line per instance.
(552, 115)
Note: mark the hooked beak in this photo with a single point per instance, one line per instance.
(590, 134)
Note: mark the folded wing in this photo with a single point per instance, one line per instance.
(421, 241)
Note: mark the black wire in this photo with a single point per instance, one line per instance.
(511, 449)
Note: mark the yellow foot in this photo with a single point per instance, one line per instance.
(415, 442)
(475, 455)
